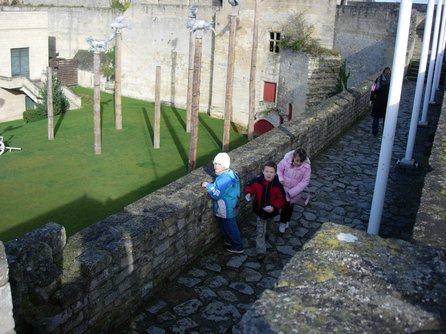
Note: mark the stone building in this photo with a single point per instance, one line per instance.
(158, 37)
(23, 59)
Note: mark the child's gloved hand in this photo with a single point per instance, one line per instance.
(248, 197)
(268, 208)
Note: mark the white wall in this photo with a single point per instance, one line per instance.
(24, 30)
(12, 105)
(21, 29)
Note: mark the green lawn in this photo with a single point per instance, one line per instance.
(63, 181)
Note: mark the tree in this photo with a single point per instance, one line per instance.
(108, 67)
(60, 102)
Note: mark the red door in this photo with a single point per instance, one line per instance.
(269, 92)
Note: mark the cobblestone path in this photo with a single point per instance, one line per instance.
(214, 292)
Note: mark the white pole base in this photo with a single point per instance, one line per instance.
(407, 163)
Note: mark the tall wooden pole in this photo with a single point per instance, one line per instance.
(190, 75)
(229, 83)
(96, 104)
(195, 105)
(156, 134)
(252, 75)
(118, 105)
(49, 103)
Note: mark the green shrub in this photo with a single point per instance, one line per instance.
(33, 115)
(297, 36)
(341, 83)
(60, 103)
(121, 5)
(108, 67)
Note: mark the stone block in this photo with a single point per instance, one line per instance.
(368, 272)
(4, 269)
(6, 314)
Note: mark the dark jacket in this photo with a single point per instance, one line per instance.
(381, 95)
(266, 193)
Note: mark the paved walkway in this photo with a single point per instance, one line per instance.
(212, 295)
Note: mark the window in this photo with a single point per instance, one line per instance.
(29, 104)
(269, 92)
(20, 62)
(274, 38)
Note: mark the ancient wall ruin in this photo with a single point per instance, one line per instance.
(93, 280)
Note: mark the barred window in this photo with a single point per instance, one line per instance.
(274, 38)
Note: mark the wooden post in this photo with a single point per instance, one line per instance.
(195, 105)
(252, 74)
(49, 103)
(118, 105)
(190, 75)
(96, 104)
(156, 125)
(229, 83)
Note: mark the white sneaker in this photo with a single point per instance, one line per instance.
(283, 227)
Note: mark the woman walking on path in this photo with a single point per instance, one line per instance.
(294, 172)
(379, 96)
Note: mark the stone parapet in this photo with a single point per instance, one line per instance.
(94, 281)
(430, 226)
(347, 281)
(6, 314)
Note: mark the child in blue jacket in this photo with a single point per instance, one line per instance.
(225, 191)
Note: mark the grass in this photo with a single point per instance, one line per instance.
(63, 181)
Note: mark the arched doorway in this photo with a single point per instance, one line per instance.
(262, 126)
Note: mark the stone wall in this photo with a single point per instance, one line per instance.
(6, 316)
(273, 15)
(306, 81)
(347, 281)
(430, 226)
(365, 35)
(107, 3)
(158, 37)
(66, 71)
(93, 281)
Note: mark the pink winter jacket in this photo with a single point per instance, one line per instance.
(293, 179)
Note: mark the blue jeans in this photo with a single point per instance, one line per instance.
(229, 230)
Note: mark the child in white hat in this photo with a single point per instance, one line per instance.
(225, 191)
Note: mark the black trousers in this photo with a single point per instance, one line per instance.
(287, 212)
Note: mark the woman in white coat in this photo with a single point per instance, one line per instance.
(294, 172)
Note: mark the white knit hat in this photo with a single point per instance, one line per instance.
(223, 159)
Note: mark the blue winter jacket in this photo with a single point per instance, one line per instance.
(225, 191)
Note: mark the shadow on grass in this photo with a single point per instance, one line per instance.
(179, 118)
(210, 131)
(59, 123)
(173, 133)
(86, 211)
(103, 104)
(148, 124)
(11, 128)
